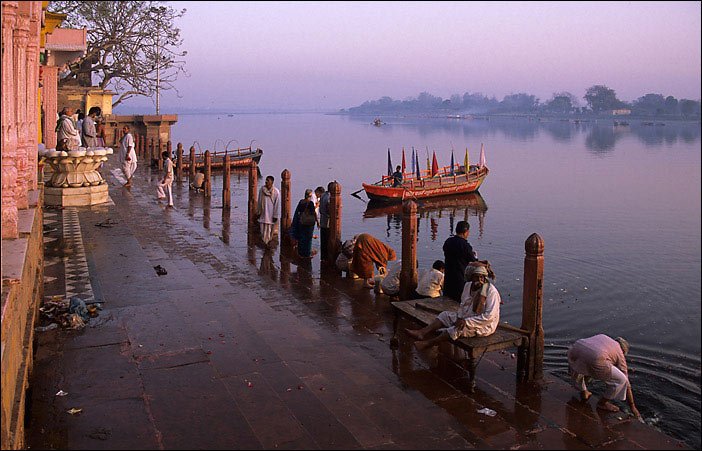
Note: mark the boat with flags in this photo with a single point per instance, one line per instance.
(433, 182)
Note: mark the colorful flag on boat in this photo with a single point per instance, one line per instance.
(428, 163)
(452, 163)
(466, 161)
(413, 159)
(403, 160)
(434, 165)
(482, 156)
(389, 164)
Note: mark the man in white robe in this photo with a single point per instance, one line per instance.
(166, 185)
(268, 210)
(478, 314)
(88, 129)
(128, 155)
(65, 128)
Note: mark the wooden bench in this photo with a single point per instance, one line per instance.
(506, 336)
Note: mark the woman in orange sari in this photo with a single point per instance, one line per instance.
(367, 252)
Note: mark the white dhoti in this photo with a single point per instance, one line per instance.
(268, 231)
(129, 168)
(616, 384)
(166, 190)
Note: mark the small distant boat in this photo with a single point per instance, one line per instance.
(237, 158)
(377, 122)
(433, 182)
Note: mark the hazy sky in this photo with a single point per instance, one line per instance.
(330, 55)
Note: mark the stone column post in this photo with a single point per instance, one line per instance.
(20, 39)
(408, 274)
(208, 174)
(49, 76)
(9, 125)
(285, 212)
(532, 304)
(226, 178)
(179, 158)
(33, 118)
(334, 223)
(191, 167)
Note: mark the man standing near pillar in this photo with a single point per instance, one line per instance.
(65, 128)
(128, 155)
(457, 254)
(268, 210)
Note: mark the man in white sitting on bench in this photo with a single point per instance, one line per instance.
(478, 314)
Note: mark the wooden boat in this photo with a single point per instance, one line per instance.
(443, 183)
(237, 158)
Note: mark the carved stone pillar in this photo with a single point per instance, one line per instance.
(33, 115)
(8, 127)
(20, 39)
(50, 103)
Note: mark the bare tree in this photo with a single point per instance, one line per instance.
(133, 46)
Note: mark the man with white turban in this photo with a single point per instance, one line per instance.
(478, 314)
(603, 358)
(128, 155)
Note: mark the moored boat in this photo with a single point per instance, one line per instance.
(449, 180)
(237, 158)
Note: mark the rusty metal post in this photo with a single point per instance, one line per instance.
(136, 144)
(226, 193)
(142, 147)
(532, 305)
(334, 238)
(253, 195)
(208, 174)
(191, 167)
(408, 274)
(285, 208)
(179, 158)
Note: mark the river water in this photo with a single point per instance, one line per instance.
(618, 208)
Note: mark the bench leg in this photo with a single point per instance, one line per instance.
(472, 364)
(522, 362)
(394, 341)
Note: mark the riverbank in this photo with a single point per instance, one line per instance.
(231, 349)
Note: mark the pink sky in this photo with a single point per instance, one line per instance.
(320, 55)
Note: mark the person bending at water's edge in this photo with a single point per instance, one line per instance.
(602, 358)
(478, 314)
(457, 254)
(368, 251)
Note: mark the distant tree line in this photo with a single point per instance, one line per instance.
(599, 99)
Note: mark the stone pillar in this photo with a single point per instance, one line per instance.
(191, 167)
(532, 304)
(226, 177)
(49, 76)
(32, 91)
(20, 39)
(208, 174)
(9, 126)
(285, 212)
(334, 223)
(179, 159)
(253, 195)
(408, 274)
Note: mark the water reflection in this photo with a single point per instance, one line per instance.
(602, 134)
(461, 207)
